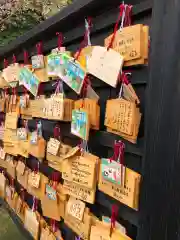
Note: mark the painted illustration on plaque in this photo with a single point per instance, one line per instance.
(80, 124)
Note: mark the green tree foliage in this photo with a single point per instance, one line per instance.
(19, 16)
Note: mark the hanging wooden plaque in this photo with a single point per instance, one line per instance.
(120, 115)
(102, 231)
(105, 65)
(81, 170)
(80, 124)
(76, 208)
(82, 228)
(77, 191)
(31, 223)
(11, 120)
(91, 106)
(128, 42)
(129, 194)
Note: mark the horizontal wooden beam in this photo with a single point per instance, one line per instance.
(70, 18)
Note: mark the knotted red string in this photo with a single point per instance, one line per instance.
(22, 194)
(86, 83)
(118, 152)
(60, 39)
(14, 58)
(39, 48)
(128, 16)
(5, 63)
(56, 132)
(53, 225)
(84, 42)
(40, 89)
(122, 7)
(123, 77)
(26, 57)
(12, 182)
(35, 204)
(14, 91)
(114, 215)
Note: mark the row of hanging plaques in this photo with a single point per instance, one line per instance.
(82, 172)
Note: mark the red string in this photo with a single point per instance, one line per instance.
(26, 57)
(123, 77)
(122, 7)
(128, 16)
(114, 216)
(56, 132)
(14, 91)
(12, 182)
(35, 204)
(22, 194)
(84, 42)
(86, 83)
(39, 48)
(5, 63)
(14, 59)
(40, 89)
(60, 40)
(53, 224)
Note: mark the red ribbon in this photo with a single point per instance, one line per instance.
(39, 48)
(122, 7)
(5, 63)
(35, 203)
(127, 21)
(14, 91)
(40, 89)
(60, 40)
(26, 57)
(123, 77)
(55, 179)
(22, 194)
(86, 83)
(119, 148)
(128, 16)
(114, 215)
(12, 182)
(14, 59)
(84, 42)
(56, 132)
(53, 225)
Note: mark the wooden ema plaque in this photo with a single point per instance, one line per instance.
(38, 150)
(76, 208)
(91, 106)
(37, 192)
(128, 195)
(55, 161)
(79, 192)
(132, 43)
(102, 231)
(105, 64)
(81, 170)
(133, 137)
(120, 115)
(11, 120)
(54, 107)
(37, 106)
(81, 228)
(31, 223)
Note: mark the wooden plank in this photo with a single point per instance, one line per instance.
(70, 18)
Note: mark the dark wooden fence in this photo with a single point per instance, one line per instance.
(148, 156)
